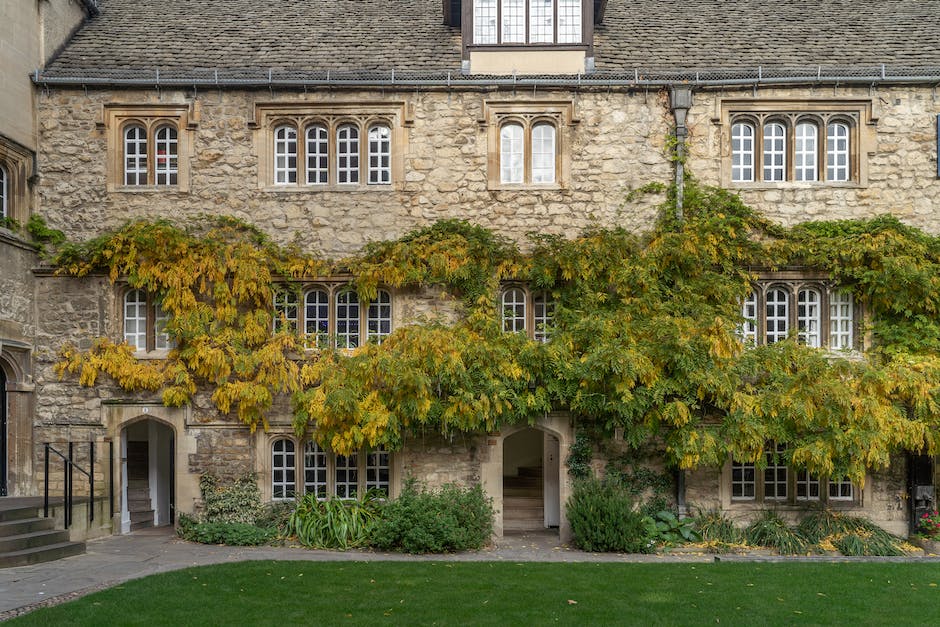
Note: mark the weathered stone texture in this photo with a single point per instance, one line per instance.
(225, 452)
(16, 288)
(435, 460)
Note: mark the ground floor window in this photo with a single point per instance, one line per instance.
(325, 473)
(773, 481)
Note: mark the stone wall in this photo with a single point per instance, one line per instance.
(435, 460)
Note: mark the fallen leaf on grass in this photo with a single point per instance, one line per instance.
(572, 602)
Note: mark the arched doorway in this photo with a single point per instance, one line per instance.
(147, 472)
(4, 455)
(531, 482)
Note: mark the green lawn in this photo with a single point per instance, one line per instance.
(501, 593)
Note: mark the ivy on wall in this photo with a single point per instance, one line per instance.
(645, 340)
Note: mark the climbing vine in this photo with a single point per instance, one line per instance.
(645, 340)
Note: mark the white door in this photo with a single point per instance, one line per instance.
(550, 469)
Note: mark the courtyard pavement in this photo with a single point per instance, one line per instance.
(111, 560)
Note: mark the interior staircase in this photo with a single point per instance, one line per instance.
(139, 505)
(523, 502)
(25, 538)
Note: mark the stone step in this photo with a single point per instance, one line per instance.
(144, 524)
(142, 516)
(523, 525)
(529, 471)
(46, 537)
(18, 513)
(25, 525)
(513, 491)
(138, 484)
(522, 482)
(139, 506)
(39, 554)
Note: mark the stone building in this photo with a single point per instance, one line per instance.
(339, 123)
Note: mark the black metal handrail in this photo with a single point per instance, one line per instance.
(68, 469)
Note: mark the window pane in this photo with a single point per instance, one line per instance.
(377, 470)
(837, 152)
(347, 319)
(742, 481)
(775, 473)
(511, 155)
(513, 26)
(808, 317)
(166, 147)
(135, 156)
(841, 490)
(484, 21)
(775, 154)
(841, 317)
(569, 21)
(285, 155)
(318, 146)
(317, 318)
(347, 154)
(135, 319)
(543, 153)
(778, 315)
(4, 210)
(513, 306)
(162, 339)
(380, 155)
(541, 21)
(748, 329)
(346, 483)
(379, 317)
(805, 152)
(285, 311)
(282, 470)
(544, 316)
(807, 486)
(742, 153)
(314, 470)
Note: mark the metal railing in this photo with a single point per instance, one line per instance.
(69, 466)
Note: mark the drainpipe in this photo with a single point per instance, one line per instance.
(681, 98)
(680, 493)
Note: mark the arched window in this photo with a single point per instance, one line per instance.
(315, 466)
(346, 479)
(837, 152)
(543, 153)
(318, 155)
(742, 152)
(347, 319)
(380, 155)
(167, 155)
(808, 303)
(4, 194)
(749, 313)
(317, 317)
(135, 319)
(377, 470)
(282, 470)
(805, 152)
(161, 337)
(135, 155)
(775, 152)
(514, 310)
(285, 155)
(841, 320)
(778, 315)
(379, 317)
(347, 154)
(543, 315)
(511, 154)
(285, 310)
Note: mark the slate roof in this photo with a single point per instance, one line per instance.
(243, 37)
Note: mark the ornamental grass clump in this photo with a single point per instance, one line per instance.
(771, 531)
(453, 518)
(850, 535)
(715, 526)
(334, 523)
(603, 519)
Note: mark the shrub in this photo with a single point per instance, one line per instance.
(851, 535)
(929, 525)
(233, 534)
(668, 529)
(276, 516)
(334, 523)
(714, 526)
(603, 519)
(858, 543)
(771, 531)
(436, 521)
(237, 503)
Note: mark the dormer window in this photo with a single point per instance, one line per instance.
(527, 21)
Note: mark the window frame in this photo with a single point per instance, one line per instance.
(300, 323)
(157, 342)
(529, 319)
(326, 465)
(5, 204)
(117, 119)
(471, 30)
(854, 115)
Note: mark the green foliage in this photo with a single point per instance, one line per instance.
(851, 535)
(451, 519)
(669, 530)
(714, 526)
(772, 531)
(603, 519)
(42, 235)
(859, 543)
(236, 503)
(334, 523)
(230, 533)
(7, 222)
(580, 455)
(929, 525)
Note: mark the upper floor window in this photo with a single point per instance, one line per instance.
(331, 315)
(774, 309)
(800, 142)
(527, 153)
(532, 314)
(145, 322)
(148, 147)
(527, 21)
(4, 194)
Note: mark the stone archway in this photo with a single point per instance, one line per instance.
(16, 425)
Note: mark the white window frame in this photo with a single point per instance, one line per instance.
(512, 153)
(348, 324)
(485, 26)
(166, 163)
(380, 154)
(316, 313)
(838, 155)
(841, 490)
(379, 317)
(317, 154)
(543, 316)
(378, 470)
(316, 470)
(285, 154)
(776, 474)
(806, 152)
(512, 26)
(544, 153)
(775, 151)
(4, 193)
(809, 316)
(823, 314)
(346, 476)
(135, 155)
(283, 461)
(135, 315)
(808, 486)
(742, 152)
(520, 22)
(743, 481)
(776, 314)
(841, 320)
(513, 310)
(285, 316)
(347, 154)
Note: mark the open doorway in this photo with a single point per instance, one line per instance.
(3, 433)
(147, 488)
(531, 495)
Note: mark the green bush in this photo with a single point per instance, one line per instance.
(772, 531)
(334, 523)
(436, 521)
(237, 503)
(666, 528)
(714, 526)
(603, 519)
(233, 534)
(276, 516)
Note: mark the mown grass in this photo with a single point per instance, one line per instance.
(501, 593)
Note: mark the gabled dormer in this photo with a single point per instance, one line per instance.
(526, 36)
